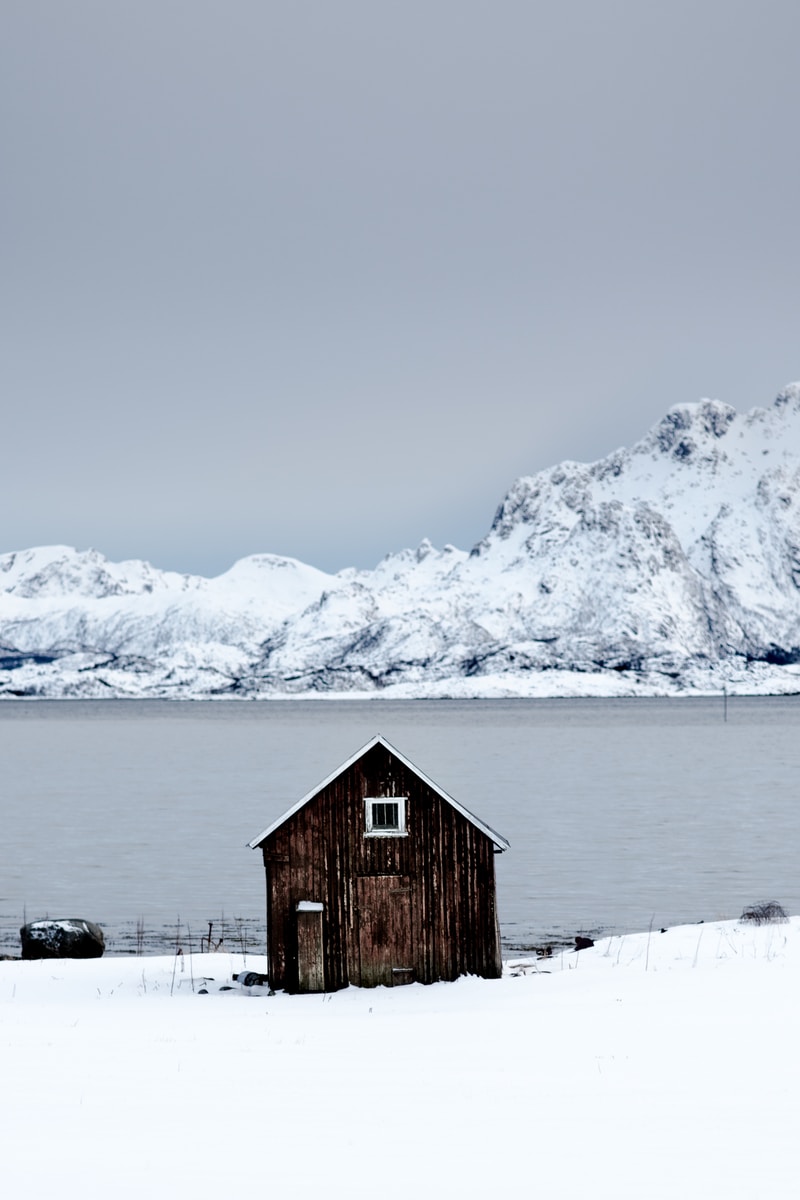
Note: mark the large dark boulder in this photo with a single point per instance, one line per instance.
(68, 937)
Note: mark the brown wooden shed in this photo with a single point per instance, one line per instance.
(377, 876)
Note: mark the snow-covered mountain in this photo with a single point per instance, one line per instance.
(670, 566)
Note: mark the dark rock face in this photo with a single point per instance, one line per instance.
(68, 937)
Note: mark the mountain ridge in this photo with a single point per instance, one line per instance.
(670, 566)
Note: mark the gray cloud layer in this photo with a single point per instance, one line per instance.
(322, 279)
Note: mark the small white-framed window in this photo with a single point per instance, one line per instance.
(385, 816)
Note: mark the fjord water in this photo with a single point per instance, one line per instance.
(620, 813)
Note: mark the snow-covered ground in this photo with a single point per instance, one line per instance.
(654, 1065)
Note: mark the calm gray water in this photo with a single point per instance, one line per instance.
(619, 812)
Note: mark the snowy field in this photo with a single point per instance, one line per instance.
(654, 1065)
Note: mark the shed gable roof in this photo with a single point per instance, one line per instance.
(499, 841)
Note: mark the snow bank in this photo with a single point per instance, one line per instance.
(654, 1065)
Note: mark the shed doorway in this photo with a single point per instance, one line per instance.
(310, 957)
(384, 930)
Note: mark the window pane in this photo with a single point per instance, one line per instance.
(385, 816)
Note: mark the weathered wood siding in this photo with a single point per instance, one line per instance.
(396, 909)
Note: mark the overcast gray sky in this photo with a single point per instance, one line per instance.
(322, 278)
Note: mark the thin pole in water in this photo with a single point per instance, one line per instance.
(725, 708)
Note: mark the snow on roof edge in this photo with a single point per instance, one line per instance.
(500, 842)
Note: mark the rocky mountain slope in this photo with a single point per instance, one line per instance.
(670, 566)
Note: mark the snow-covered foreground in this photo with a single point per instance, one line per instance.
(660, 1065)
